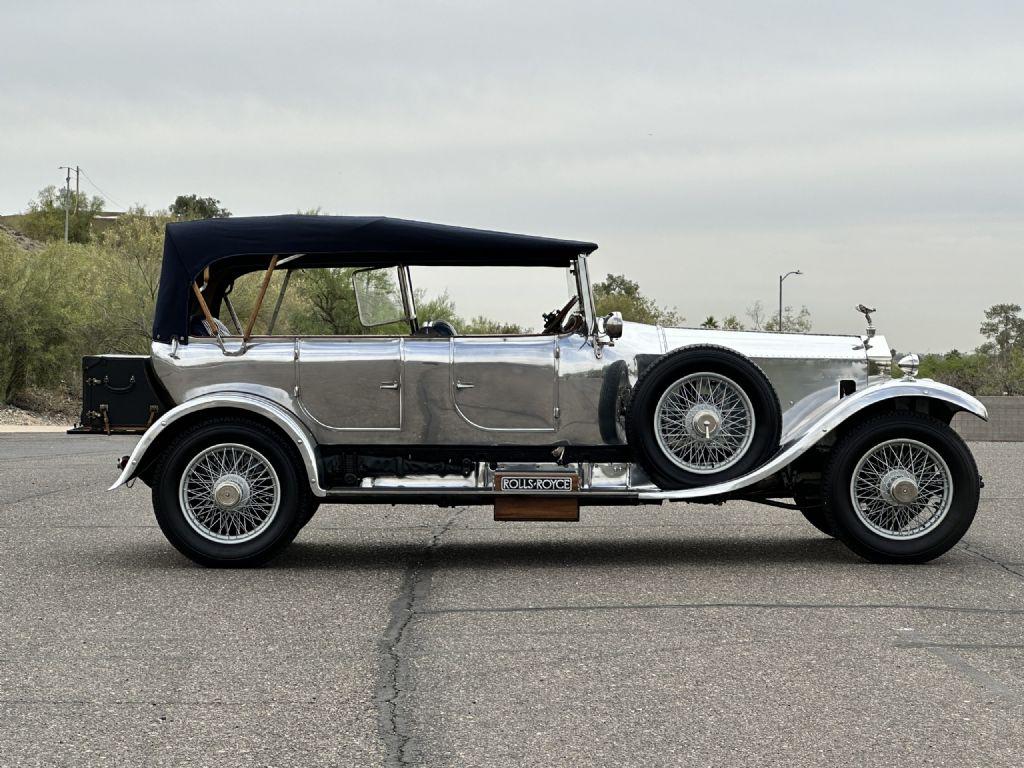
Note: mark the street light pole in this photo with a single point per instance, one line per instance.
(781, 278)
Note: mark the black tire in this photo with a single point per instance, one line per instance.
(653, 383)
(813, 509)
(294, 497)
(931, 542)
(311, 507)
(614, 392)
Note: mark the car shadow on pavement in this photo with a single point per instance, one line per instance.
(324, 554)
(546, 554)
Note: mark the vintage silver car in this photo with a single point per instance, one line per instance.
(245, 435)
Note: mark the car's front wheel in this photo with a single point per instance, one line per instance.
(901, 488)
(227, 492)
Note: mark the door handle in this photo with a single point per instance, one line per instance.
(460, 384)
(389, 385)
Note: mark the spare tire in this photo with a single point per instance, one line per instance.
(701, 416)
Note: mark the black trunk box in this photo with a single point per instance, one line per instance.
(120, 395)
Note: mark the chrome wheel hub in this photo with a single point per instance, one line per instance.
(704, 423)
(229, 493)
(901, 489)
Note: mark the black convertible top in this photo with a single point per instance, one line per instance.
(238, 245)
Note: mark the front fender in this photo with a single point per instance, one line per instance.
(233, 400)
(811, 429)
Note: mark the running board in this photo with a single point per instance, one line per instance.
(588, 483)
(469, 497)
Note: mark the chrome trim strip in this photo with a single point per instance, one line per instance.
(293, 427)
(327, 427)
(473, 424)
(824, 424)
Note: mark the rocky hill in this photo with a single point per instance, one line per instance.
(24, 241)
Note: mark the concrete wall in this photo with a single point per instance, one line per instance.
(1005, 420)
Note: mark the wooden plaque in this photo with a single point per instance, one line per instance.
(520, 499)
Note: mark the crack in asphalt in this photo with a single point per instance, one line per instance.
(1005, 566)
(395, 679)
(908, 638)
(39, 495)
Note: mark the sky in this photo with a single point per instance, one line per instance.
(707, 147)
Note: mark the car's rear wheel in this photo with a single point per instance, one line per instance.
(702, 416)
(227, 492)
(901, 488)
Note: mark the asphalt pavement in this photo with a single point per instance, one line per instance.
(676, 635)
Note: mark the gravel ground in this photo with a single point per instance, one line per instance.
(682, 635)
(13, 416)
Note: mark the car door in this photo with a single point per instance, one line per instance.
(352, 383)
(506, 383)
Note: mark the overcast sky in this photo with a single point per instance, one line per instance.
(706, 147)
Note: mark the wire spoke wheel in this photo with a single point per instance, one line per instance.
(704, 423)
(229, 493)
(901, 489)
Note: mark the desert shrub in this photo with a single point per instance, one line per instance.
(40, 309)
(45, 217)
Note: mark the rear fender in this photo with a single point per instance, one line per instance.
(247, 403)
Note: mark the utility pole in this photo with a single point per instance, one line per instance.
(781, 278)
(78, 172)
(67, 196)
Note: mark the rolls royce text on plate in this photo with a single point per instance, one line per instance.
(243, 436)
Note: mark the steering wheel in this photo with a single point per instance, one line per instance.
(553, 320)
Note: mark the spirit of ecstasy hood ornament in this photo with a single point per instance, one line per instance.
(866, 311)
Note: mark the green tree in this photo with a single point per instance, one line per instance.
(127, 275)
(709, 322)
(438, 308)
(1004, 328)
(485, 326)
(732, 323)
(325, 303)
(619, 293)
(792, 321)
(45, 217)
(186, 207)
(972, 372)
(329, 303)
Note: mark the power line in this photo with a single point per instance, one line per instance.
(67, 196)
(98, 189)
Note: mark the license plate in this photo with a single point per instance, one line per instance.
(530, 482)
